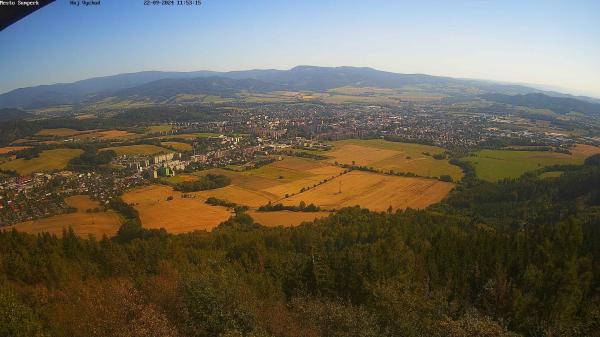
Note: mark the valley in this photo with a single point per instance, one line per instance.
(319, 168)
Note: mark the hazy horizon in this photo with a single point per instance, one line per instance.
(536, 43)
(538, 86)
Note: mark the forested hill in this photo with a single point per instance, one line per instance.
(560, 105)
(159, 85)
(518, 257)
(12, 114)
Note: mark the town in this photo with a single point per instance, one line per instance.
(249, 136)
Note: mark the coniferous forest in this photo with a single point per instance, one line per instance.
(514, 258)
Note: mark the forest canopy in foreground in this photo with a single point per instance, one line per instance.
(516, 257)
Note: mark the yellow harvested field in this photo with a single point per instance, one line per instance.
(277, 173)
(107, 134)
(327, 171)
(85, 116)
(59, 132)
(245, 181)
(394, 156)
(191, 135)
(137, 150)
(7, 149)
(178, 146)
(374, 191)
(317, 175)
(582, 150)
(86, 134)
(83, 223)
(265, 183)
(48, 160)
(295, 163)
(239, 195)
(115, 134)
(179, 215)
(81, 202)
(263, 177)
(285, 218)
(273, 182)
(360, 155)
(22, 141)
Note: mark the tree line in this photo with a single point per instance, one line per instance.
(207, 182)
(518, 257)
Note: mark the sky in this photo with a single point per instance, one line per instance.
(553, 43)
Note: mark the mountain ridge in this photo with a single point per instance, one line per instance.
(299, 78)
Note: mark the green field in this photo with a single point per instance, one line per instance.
(178, 146)
(381, 95)
(48, 160)
(493, 165)
(159, 128)
(137, 149)
(409, 148)
(272, 97)
(192, 135)
(341, 99)
(399, 157)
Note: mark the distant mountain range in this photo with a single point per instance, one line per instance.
(159, 86)
(560, 105)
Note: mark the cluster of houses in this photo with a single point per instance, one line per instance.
(42, 194)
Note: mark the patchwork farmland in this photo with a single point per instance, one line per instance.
(293, 180)
(289, 180)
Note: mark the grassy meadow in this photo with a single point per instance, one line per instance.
(159, 128)
(285, 218)
(48, 160)
(493, 165)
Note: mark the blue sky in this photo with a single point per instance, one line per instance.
(553, 43)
